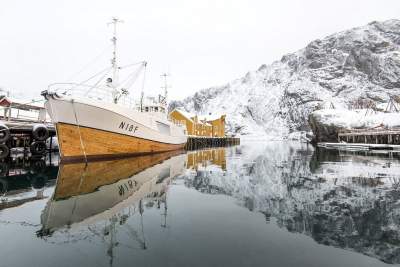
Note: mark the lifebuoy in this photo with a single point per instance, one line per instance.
(40, 132)
(4, 133)
(38, 148)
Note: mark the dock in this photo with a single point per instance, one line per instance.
(198, 142)
(360, 146)
(371, 136)
(30, 135)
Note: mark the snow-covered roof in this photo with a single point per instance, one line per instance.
(209, 117)
(185, 114)
(24, 103)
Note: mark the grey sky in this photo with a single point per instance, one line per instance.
(201, 43)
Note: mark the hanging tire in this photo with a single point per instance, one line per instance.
(4, 133)
(38, 148)
(3, 186)
(3, 169)
(38, 181)
(4, 151)
(40, 132)
(38, 166)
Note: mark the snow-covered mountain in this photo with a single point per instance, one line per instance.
(276, 99)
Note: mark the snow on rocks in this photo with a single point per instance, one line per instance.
(326, 123)
(276, 100)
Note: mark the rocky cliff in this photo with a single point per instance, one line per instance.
(276, 99)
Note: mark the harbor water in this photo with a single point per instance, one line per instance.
(256, 204)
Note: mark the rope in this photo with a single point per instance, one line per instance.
(79, 131)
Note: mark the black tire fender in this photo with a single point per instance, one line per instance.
(40, 132)
(3, 169)
(4, 133)
(4, 151)
(3, 186)
(38, 148)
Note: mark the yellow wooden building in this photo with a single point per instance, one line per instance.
(208, 126)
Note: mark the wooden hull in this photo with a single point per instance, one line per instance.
(79, 142)
(100, 173)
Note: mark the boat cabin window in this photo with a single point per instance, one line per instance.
(146, 109)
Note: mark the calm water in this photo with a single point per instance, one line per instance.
(271, 204)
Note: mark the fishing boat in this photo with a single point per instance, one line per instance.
(101, 120)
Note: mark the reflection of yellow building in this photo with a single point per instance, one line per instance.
(207, 157)
(209, 126)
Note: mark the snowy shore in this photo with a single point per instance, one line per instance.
(326, 123)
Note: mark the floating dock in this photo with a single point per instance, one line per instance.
(198, 142)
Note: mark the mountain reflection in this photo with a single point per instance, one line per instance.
(343, 199)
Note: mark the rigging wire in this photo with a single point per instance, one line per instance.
(89, 63)
(131, 65)
(144, 76)
(132, 77)
(85, 81)
(94, 86)
(142, 91)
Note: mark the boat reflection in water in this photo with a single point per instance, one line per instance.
(329, 201)
(111, 191)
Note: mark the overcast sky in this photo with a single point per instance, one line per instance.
(200, 43)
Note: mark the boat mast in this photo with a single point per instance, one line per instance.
(114, 64)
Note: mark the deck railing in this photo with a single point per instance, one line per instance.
(99, 93)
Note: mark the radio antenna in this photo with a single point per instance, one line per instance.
(114, 63)
(165, 87)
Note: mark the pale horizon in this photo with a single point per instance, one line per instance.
(201, 44)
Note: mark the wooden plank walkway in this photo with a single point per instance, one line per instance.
(197, 142)
(372, 136)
